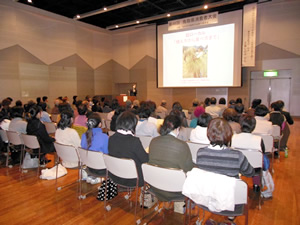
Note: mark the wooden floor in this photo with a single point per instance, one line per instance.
(25, 199)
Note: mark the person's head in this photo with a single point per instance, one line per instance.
(239, 108)
(66, 120)
(171, 123)
(163, 103)
(136, 103)
(231, 103)
(5, 103)
(207, 101)
(151, 105)
(144, 112)
(195, 102)
(94, 121)
(177, 106)
(230, 114)
(213, 100)
(219, 132)
(17, 111)
(65, 99)
(261, 110)
(114, 104)
(74, 99)
(19, 103)
(199, 110)
(38, 100)
(34, 112)
(82, 109)
(88, 98)
(45, 98)
(247, 123)
(222, 101)
(204, 119)
(239, 100)
(280, 104)
(128, 104)
(179, 114)
(255, 103)
(275, 106)
(126, 121)
(134, 86)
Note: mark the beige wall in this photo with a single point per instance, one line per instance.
(45, 54)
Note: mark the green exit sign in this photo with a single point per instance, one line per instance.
(271, 73)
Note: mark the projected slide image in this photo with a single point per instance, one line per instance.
(194, 61)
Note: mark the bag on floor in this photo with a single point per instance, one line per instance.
(29, 162)
(149, 200)
(112, 190)
(50, 174)
(267, 181)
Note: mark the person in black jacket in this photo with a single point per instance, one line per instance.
(37, 128)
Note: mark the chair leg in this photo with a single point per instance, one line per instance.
(7, 156)
(39, 162)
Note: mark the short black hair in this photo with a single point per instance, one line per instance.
(275, 106)
(213, 100)
(222, 101)
(239, 108)
(126, 121)
(255, 103)
(17, 111)
(19, 103)
(171, 122)
(247, 123)
(144, 112)
(239, 100)
(177, 105)
(204, 119)
(261, 110)
(44, 98)
(82, 109)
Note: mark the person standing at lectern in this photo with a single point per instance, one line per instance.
(133, 91)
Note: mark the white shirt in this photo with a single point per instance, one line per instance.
(146, 128)
(263, 126)
(199, 135)
(246, 141)
(213, 110)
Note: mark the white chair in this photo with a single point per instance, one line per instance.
(14, 139)
(31, 142)
(123, 168)
(255, 158)
(269, 147)
(194, 147)
(66, 153)
(145, 141)
(91, 159)
(165, 179)
(50, 127)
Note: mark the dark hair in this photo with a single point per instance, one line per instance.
(180, 114)
(6, 102)
(144, 112)
(82, 109)
(204, 119)
(255, 103)
(177, 105)
(230, 114)
(247, 123)
(222, 101)
(65, 119)
(93, 121)
(261, 110)
(280, 104)
(44, 98)
(275, 106)
(43, 105)
(213, 100)
(219, 132)
(114, 104)
(239, 100)
(38, 100)
(19, 103)
(152, 106)
(232, 102)
(74, 99)
(32, 112)
(17, 111)
(126, 121)
(239, 108)
(171, 122)
(207, 101)
(114, 118)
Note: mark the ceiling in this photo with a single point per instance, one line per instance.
(120, 11)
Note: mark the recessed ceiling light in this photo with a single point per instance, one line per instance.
(168, 15)
(29, 1)
(104, 8)
(117, 26)
(137, 21)
(77, 16)
(205, 7)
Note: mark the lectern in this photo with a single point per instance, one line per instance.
(123, 98)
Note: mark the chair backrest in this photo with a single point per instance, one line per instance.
(165, 179)
(92, 159)
(194, 147)
(30, 141)
(241, 192)
(124, 168)
(254, 157)
(14, 138)
(145, 140)
(67, 153)
(50, 127)
(268, 142)
(276, 132)
(3, 136)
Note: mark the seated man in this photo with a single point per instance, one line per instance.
(213, 109)
(263, 126)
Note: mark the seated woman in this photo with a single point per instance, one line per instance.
(199, 110)
(231, 116)
(94, 139)
(170, 152)
(81, 119)
(67, 135)
(199, 134)
(218, 157)
(184, 132)
(144, 127)
(37, 128)
(123, 144)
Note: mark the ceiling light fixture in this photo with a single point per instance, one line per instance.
(168, 15)
(205, 6)
(137, 21)
(78, 16)
(176, 13)
(110, 8)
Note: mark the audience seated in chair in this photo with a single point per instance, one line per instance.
(199, 134)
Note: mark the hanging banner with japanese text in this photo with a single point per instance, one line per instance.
(249, 35)
(204, 19)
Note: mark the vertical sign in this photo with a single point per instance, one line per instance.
(249, 35)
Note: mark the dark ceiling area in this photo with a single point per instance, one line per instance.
(119, 12)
